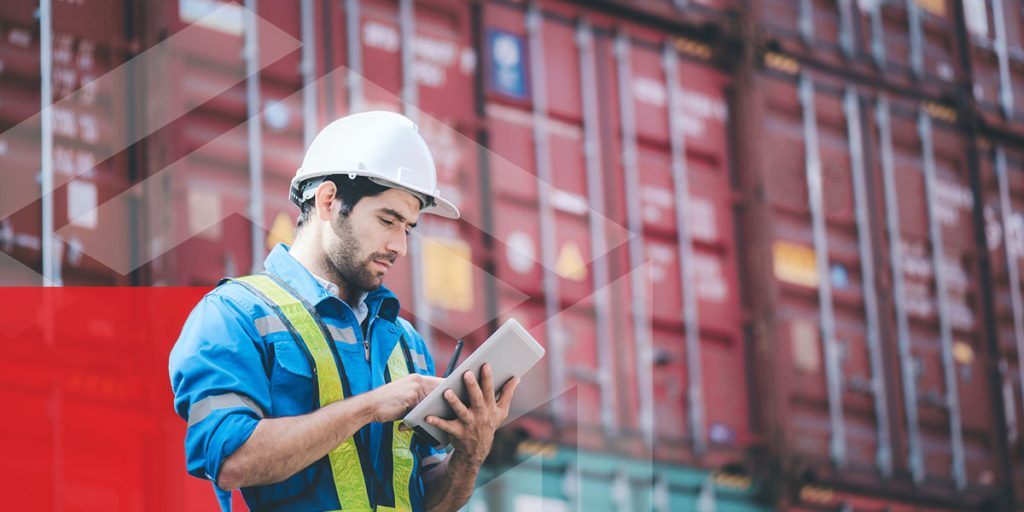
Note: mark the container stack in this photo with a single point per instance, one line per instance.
(770, 246)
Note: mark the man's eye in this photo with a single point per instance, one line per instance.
(387, 222)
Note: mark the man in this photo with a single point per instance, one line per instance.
(293, 381)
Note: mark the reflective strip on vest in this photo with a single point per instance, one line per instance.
(346, 468)
(344, 459)
(401, 442)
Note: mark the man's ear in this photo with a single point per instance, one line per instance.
(325, 194)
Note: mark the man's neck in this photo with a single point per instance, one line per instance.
(315, 262)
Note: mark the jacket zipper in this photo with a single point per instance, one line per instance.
(366, 340)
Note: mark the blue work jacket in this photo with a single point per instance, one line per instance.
(235, 363)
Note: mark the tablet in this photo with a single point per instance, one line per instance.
(511, 350)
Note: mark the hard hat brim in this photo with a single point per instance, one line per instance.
(442, 207)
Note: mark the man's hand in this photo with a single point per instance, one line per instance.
(473, 429)
(394, 400)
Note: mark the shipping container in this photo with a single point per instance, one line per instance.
(1002, 187)
(549, 477)
(995, 43)
(864, 277)
(910, 44)
(630, 367)
(86, 123)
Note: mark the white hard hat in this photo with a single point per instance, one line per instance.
(383, 146)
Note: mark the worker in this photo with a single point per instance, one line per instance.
(294, 381)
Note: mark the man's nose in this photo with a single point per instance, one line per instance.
(397, 244)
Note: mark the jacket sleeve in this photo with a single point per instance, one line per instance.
(219, 382)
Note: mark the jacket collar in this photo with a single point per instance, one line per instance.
(281, 263)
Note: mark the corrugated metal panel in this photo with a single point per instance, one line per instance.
(690, 333)
(87, 123)
(1003, 191)
(838, 401)
(547, 207)
(547, 227)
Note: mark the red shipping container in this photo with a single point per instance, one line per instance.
(834, 382)
(561, 210)
(672, 128)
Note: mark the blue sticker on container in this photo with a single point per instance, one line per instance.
(508, 63)
(840, 277)
(721, 434)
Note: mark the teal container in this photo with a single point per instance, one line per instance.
(554, 479)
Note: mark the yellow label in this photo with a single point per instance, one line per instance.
(795, 263)
(570, 264)
(448, 273)
(936, 7)
(963, 353)
(281, 231)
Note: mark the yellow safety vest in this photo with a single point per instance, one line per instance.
(346, 468)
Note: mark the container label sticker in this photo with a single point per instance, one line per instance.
(520, 252)
(976, 16)
(839, 276)
(570, 264)
(282, 231)
(508, 63)
(448, 273)
(806, 350)
(936, 7)
(795, 263)
(82, 198)
(963, 353)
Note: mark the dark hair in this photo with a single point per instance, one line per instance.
(350, 191)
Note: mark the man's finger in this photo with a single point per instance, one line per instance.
(476, 397)
(487, 383)
(450, 427)
(506, 393)
(403, 427)
(460, 408)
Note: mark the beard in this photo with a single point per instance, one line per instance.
(343, 256)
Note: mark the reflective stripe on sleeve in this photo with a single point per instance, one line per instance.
(270, 324)
(203, 408)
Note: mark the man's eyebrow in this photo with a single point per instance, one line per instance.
(399, 216)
